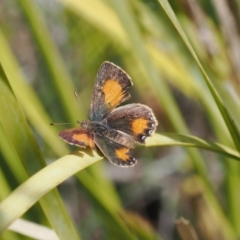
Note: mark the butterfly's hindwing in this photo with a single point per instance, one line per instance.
(137, 120)
(115, 152)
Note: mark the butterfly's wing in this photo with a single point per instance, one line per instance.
(119, 137)
(109, 91)
(78, 136)
(137, 120)
(115, 152)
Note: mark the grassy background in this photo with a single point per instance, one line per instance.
(48, 49)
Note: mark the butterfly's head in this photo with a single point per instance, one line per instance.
(84, 124)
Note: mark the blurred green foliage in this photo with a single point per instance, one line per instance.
(50, 48)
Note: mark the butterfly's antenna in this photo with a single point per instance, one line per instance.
(57, 124)
(79, 103)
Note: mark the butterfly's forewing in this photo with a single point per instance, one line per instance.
(110, 90)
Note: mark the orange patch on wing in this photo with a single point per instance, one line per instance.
(84, 138)
(139, 125)
(113, 92)
(122, 154)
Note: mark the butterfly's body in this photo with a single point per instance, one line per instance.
(114, 130)
(97, 128)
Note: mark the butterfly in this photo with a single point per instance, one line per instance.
(114, 130)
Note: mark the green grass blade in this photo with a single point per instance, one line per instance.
(162, 93)
(14, 123)
(173, 139)
(28, 193)
(32, 230)
(160, 88)
(32, 106)
(233, 130)
(11, 155)
(60, 77)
